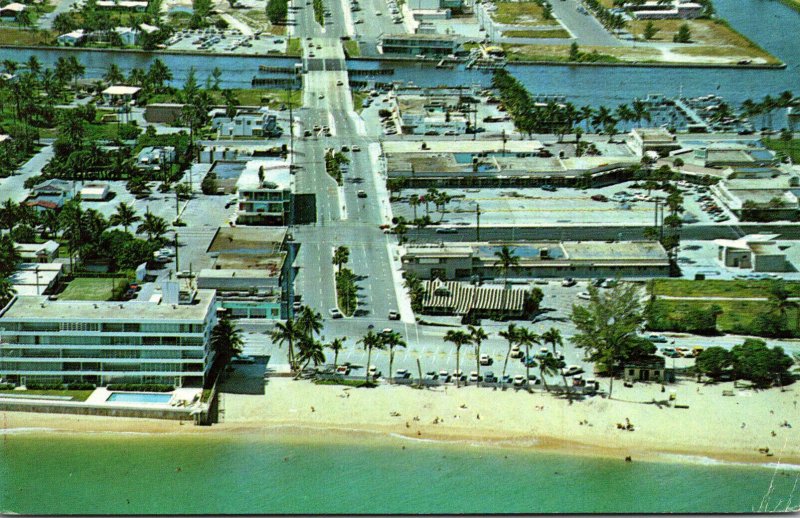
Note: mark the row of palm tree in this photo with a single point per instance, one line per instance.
(766, 107)
(301, 333)
(548, 364)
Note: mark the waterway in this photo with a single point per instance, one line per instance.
(775, 28)
(278, 472)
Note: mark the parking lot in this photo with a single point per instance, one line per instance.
(620, 204)
(229, 40)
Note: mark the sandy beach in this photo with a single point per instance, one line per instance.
(725, 428)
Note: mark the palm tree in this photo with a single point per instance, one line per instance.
(528, 338)
(309, 322)
(640, 111)
(511, 334)
(477, 336)
(370, 341)
(288, 332)
(50, 222)
(125, 216)
(310, 350)
(392, 340)
(154, 226)
(506, 260)
(341, 255)
(779, 301)
(34, 65)
(548, 365)
(113, 75)
(553, 337)
(336, 345)
(8, 214)
(226, 340)
(458, 338)
(413, 202)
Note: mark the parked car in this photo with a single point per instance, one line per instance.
(373, 372)
(519, 380)
(446, 230)
(489, 377)
(402, 374)
(485, 359)
(584, 295)
(657, 339)
(516, 352)
(599, 197)
(572, 370)
(568, 282)
(473, 377)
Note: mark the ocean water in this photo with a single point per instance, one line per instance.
(291, 472)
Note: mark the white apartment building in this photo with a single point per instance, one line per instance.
(44, 341)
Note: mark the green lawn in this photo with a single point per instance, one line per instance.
(93, 288)
(718, 288)
(358, 100)
(791, 148)
(352, 49)
(294, 47)
(273, 98)
(14, 36)
(76, 395)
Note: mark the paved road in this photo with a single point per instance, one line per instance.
(14, 186)
(585, 27)
(45, 21)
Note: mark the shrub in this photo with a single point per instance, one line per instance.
(140, 387)
(6, 386)
(45, 386)
(81, 386)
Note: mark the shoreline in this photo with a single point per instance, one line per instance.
(401, 59)
(708, 432)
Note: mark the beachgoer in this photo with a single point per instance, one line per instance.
(312, 409)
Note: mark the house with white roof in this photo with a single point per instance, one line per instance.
(71, 39)
(119, 94)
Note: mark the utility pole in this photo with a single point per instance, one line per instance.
(478, 221)
(177, 267)
(291, 126)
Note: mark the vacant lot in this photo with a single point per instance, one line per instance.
(521, 13)
(712, 38)
(737, 316)
(554, 33)
(91, 288)
(718, 288)
(791, 148)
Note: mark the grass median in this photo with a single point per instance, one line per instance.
(346, 292)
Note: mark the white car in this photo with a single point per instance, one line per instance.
(584, 295)
(572, 370)
(473, 377)
(486, 359)
(166, 252)
(519, 380)
(335, 313)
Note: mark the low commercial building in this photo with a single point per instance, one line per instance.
(429, 45)
(431, 114)
(582, 259)
(245, 123)
(51, 194)
(658, 140)
(758, 200)
(164, 113)
(120, 94)
(733, 155)
(757, 252)
(476, 301)
(37, 252)
(267, 202)
(159, 341)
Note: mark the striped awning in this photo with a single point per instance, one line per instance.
(460, 297)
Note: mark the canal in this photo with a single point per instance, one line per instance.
(776, 30)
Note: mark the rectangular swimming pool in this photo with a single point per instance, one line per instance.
(139, 397)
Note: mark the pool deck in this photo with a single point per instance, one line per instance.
(180, 397)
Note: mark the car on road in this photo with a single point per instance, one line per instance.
(584, 295)
(599, 197)
(297, 306)
(657, 339)
(446, 230)
(362, 194)
(568, 282)
(485, 359)
(572, 370)
(394, 315)
(549, 188)
(321, 96)
(519, 380)
(345, 149)
(339, 83)
(335, 313)
(356, 149)
(166, 252)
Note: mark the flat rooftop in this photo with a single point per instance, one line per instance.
(462, 146)
(248, 240)
(272, 263)
(28, 309)
(275, 172)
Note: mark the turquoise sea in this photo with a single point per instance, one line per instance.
(280, 472)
